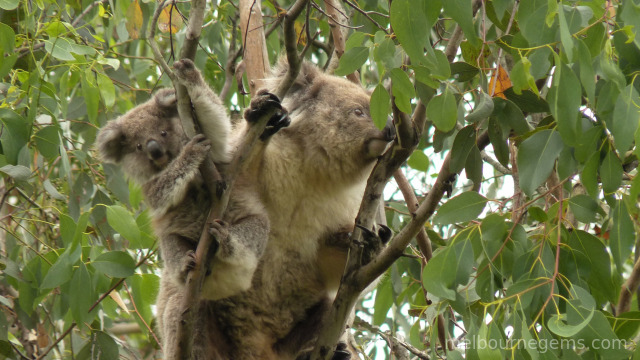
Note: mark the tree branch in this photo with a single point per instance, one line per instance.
(291, 47)
(338, 18)
(628, 289)
(254, 46)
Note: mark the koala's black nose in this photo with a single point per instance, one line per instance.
(154, 149)
(389, 130)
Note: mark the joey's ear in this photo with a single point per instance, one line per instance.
(166, 98)
(110, 142)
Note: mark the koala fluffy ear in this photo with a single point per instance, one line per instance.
(166, 98)
(307, 75)
(110, 142)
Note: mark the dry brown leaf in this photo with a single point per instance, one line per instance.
(498, 87)
(134, 20)
(169, 20)
(301, 34)
(43, 337)
(116, 297)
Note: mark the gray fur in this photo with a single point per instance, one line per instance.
(150, 145)
(294, 193)
(310, 178)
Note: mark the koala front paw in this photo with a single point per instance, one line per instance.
(263, 103)
(187, 73)
(341, 352)
(197, 148)
(374, 241)
(188, 263)
(219, 230)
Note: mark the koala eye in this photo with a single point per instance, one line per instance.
(358, 112)
(163, 133)
(139, 147)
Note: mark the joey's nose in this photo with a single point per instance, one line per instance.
(154, 149)
(389, 130)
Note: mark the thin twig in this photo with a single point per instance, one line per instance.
(366, 14)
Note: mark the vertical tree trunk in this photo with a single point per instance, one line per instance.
(254, 44)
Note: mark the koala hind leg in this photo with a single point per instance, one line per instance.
(240, 246)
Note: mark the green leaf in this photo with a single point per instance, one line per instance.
(7, 39)
(625, 119)
(584, 208)
(462, 145)
(462, 208)
(565, 96)
(483, 108)
(91, 96)
(402, 89)
(491, 335)
(509, 116)
(499, 143)
(383, 301)
(385, 53)
(18, 172)
(418, 161)
(463, 71)
(123, 222)
(461, 12)
(443, 111)
(48, 141)
(9, 4)
(622, 235)
(536, 158)
(438, 65)
(409, 23)
(451, 266)
(59, 48)
(59, 273)
(352, 60)
(107, 90)
(379, 106)
(115, 264)
(587, 74)
(83, 296)
(100, 347)
(522, 78)
(611, 173)
(589, 174)
(473, 166)
(584, 308)
(565, 35)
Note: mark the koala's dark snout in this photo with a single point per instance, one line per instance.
(389, 130)
(155, 150)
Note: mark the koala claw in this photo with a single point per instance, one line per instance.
(188, 263)
(199, 145)
(219, 230)
(373, 241)
(186, 72)
(277, 122)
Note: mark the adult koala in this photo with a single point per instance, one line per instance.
(310, 178)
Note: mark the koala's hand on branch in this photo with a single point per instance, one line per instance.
(262, 104)
(374, 241)
(187, 73)
(188, 263)
(219, 230)
(197, 149)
